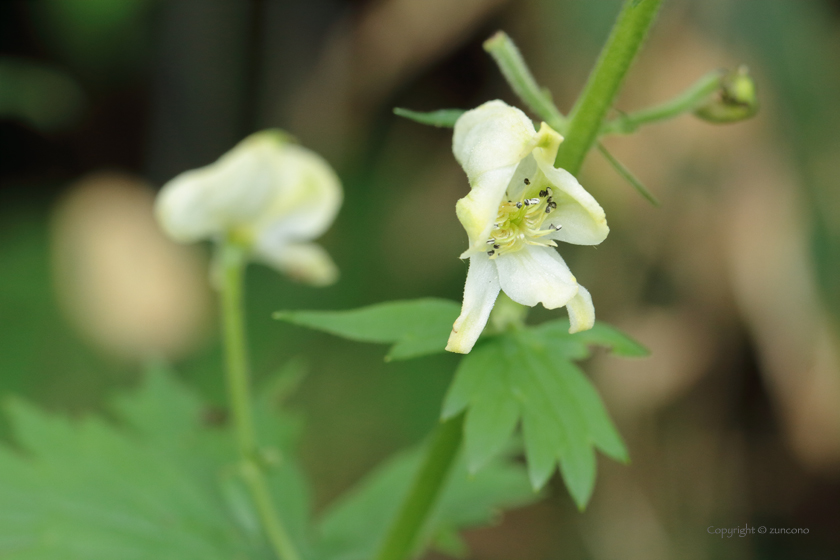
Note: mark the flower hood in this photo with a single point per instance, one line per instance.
(519, 205)
(267, 193)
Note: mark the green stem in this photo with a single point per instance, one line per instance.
(402, 536)
(605, 80)
(231, 263)
(689, 100)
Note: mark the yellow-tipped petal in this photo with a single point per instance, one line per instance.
(581, 311)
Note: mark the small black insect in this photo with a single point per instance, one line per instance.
(527, 181)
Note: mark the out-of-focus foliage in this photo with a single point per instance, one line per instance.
(37, 95)
(162, 485)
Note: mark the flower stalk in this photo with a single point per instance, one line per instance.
(604, 82)
(402, 536)
(690, 100)
(230, 273)
(519, 77)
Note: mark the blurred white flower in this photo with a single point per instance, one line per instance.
(518, 206)
(267, 194)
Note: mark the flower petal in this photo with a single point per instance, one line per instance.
(480, 294)
(489, 142)
(536, 275)
(304, 262)
(582, 218)
(305, 199)
(478, 210)
(581, 311)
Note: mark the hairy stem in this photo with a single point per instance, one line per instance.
(428, 483)
(604, 82)
(231, 272)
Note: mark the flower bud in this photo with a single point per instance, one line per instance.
(735, 100)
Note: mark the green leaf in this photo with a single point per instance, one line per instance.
(416, 327)
(443, 118)
(161, 487)
(601, 334)
(529, 375)
(355, 525)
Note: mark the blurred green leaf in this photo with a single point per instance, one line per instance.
(443, 118)
(163, 489)
(38, 95)
(528, 375)
(417, 327)
(354, 527)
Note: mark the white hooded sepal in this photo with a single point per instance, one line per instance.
(230, 193)
(491, 142)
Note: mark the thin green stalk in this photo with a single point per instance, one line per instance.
(231, 272)
(691, 99)
(518, 75)
(402, 536)
(628, 176)
(604, 82)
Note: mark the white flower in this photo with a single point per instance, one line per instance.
(267, 194)
(518, 206)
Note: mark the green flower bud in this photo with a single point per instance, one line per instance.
(735, 100)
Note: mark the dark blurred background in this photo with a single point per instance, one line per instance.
(734, 283)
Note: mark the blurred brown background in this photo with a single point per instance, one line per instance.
(734, 283)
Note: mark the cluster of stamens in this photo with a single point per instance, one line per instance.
(521, 223)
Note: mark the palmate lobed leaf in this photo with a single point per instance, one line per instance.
(415, 327)
(528, 376)
(161, 487)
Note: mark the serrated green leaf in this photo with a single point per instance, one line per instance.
(355, 525)
(165, 490)
(530, 375)
(416, 327)
(493, 416)
(101, 495)
(443, 118)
